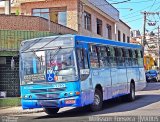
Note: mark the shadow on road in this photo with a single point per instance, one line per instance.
(109, 106)
(152, 86)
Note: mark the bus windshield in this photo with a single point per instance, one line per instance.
(57, 65)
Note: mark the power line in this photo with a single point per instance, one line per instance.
(152, 5)
(134, 20)
(157, 8)
(134, 2)
(132, 16)
(141, 1)
(125, 16)
(113, 3)
(121, 2)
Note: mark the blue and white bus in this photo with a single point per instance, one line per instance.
(73, 70)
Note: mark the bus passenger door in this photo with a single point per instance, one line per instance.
(104, 71)
(114, 80)
(113, 71)
(87, 92)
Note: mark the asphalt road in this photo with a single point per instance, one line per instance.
(147, 103)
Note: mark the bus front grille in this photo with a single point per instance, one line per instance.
(48, 96)
(48, 103)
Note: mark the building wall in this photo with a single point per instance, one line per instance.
(13, 11)
(32, 24)
(75, 11)
(75, 15)
(72, 6)
(94, 16)
(124, 29)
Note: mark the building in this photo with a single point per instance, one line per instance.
(135, 33)
(95, 18)
(123, 32)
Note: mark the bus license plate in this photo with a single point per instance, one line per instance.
(70, 101)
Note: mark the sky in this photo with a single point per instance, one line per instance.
(134, 18)
(130, 12)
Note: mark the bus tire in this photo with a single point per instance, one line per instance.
(98, 101)
(51, 111)
(131, 95)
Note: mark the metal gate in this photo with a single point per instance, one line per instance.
(9, 78)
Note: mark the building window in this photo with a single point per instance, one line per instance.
(119, 35)
(124, 38)
(62, 18)
(87, 21)
(99, 27)
(109, 31)
(57, 15)
(128, 39)
(43, 12)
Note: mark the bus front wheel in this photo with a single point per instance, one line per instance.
(51, 111)
(98, 101)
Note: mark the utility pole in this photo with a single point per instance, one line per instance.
(144, 42)
(158, 46)
(144, 29)
(144, 24)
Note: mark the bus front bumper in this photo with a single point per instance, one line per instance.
(58, 103)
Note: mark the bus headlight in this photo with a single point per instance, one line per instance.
(25, 96)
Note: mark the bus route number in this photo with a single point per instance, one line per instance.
(59, 86)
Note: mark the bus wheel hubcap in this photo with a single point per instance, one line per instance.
(133, 93)
(96, 99)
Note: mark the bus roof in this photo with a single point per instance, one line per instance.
(95, 40)
(105, 41)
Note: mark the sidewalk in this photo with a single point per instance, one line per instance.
(18, 110)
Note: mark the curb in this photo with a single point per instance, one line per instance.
(28, 111)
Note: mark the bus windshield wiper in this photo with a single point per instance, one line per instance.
(56, 52)
(36, 41)
(31, 44)
(48, 43)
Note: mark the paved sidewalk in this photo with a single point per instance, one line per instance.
(18, 110)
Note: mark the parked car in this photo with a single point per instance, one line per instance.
(152, 75)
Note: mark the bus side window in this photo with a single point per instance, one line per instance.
(108, 56)
(82, 59)
(136, 57)
(140, 58)
(86, 61)
(141, 53)
(102, 56)
(133, 58)
(112, 56)
(124, 55)
(119, 57)
(94, 56)
(130, 57)
(83, 63)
